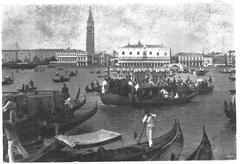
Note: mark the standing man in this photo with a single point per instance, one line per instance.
(65, 91)
(11, 133)
(149, 121)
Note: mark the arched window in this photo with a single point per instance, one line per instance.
(150, 53)
(157, 53)
(123, 53)
(138, 52)
(130, 53)
(165, 53)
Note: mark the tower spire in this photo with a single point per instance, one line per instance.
(90, 38)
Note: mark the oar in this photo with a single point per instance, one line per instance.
(142, 133)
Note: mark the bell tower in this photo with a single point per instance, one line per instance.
(90, 38)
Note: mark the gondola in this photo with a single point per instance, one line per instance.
(230, 110)
(61, 78)
(38, 150)
(233, 78)
(77, 104)
(203, 151)
(205, 90)
(232, 91)
(7, 81)
(73, 73)
(28, 90)
(65, 124)
(200, 72)
(165, 147)
(115, 99)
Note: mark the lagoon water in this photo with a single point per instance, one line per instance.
(203, 110)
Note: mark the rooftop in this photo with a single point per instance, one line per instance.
(140, 45)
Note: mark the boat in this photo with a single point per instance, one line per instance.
(233, 78)
(28, 90)
(60, 78)
(165, 147)
(232, 91)
(115, 99)
(200, 72)
(61, 120)
(73, 73)
(77, 104)
(228, 70)
(230, 110)
(38, 150)
(95, 89)
(22, 65)
(205, 90)
(7, 80)
(65, 124)
(203, 151)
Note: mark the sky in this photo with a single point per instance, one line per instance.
(183, 27)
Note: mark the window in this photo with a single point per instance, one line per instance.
(165, 53)
(130, 53)
(138, 52)
(150, 53)
(157, 53)
(123, 53)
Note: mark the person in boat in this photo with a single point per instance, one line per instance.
(164, 93)
(31, 84)
(104, 86)
(26, 88)
(65, 91)
(149, 121)
(23, 87)
(10, 131)
(92, 85)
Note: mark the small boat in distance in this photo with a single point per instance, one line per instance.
(8, 79)
(61, 78)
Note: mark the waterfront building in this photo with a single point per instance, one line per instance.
(207, 60)
(143, 57)
(90, 38)
(191, 59)
(72, 57)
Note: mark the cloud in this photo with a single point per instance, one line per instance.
(182, 27)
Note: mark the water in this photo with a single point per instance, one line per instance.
(204, 110)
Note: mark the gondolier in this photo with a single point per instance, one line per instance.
(149, 121)
(65, 91)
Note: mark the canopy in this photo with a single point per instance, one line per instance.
(97, 138)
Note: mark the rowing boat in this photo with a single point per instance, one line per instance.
(164, 148)
(92, 139)
(115, 99)
(203, 151)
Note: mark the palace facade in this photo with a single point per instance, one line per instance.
(72, 57)
(143, 57)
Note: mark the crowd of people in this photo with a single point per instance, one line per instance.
(164, 87)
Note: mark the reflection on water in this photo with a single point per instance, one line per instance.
(204, 110)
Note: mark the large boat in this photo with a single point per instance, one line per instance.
(115, 99)
(21, 65)
(203, 151)
(166, 147)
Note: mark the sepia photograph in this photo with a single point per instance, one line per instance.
(139, 81)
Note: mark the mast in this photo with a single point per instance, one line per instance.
(108, 71)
